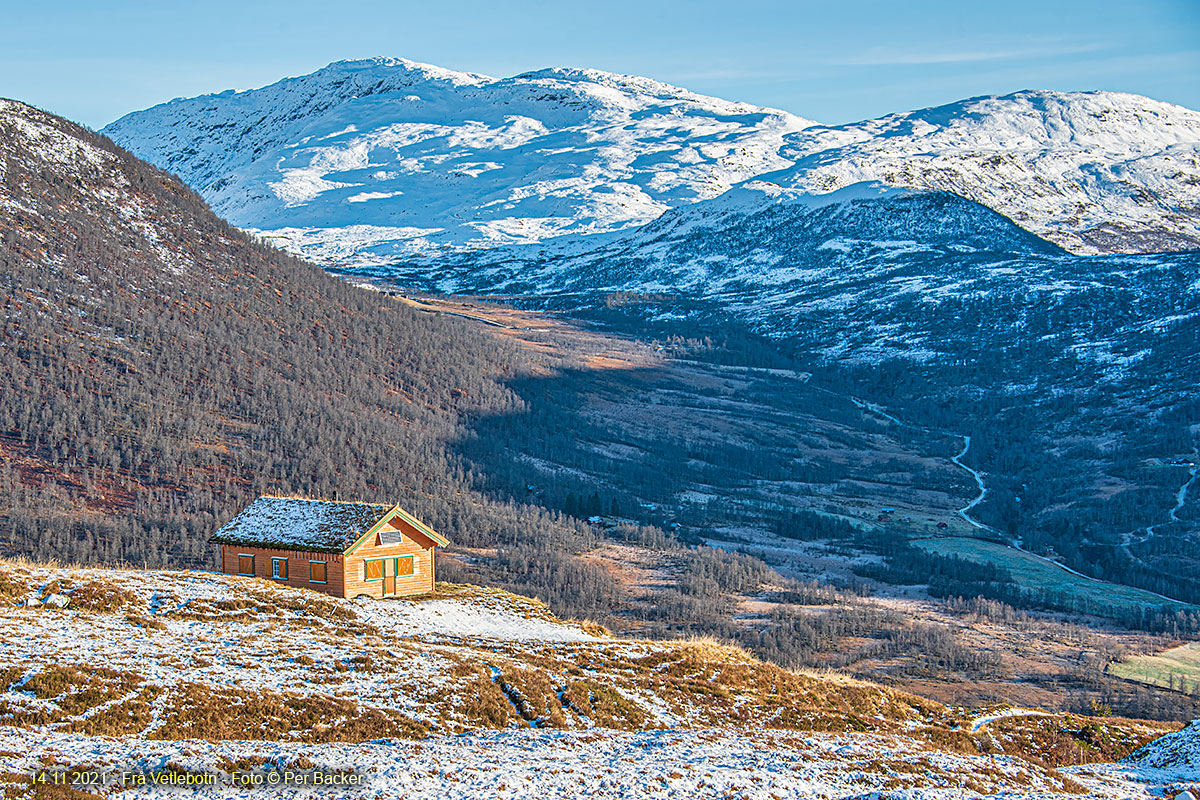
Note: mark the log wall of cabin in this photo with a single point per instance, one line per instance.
(420, 582)
(298, 567)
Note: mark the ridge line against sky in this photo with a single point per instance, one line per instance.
(96, 62)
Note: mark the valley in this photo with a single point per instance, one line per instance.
(1068, 373)
(1017, 270)
(847, 609)
(875, 465)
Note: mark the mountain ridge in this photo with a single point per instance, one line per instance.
(375, 160)
(1083, 165)
(401, 145)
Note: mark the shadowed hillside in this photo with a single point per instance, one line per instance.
(158, 368)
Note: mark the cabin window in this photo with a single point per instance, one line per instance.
(245, 565)
(316, 572)
(279, 568)
(391, 537)
(404, 566)
(373, 570)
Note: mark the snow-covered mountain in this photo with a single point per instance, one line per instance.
(1092, 171)
(369, 161)
(865, 273)
(385, 157)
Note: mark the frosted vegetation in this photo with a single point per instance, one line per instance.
(206, 673)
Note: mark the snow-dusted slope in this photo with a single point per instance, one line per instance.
(1178, 752)
(864, 274)
(366, 161)
(48, 141)
(386, 156)
(477, 694)
(1091, 171)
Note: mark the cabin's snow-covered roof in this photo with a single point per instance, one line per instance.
(296, 524)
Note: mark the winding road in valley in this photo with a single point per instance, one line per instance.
(1180, 502)
(964, 512)
(983, 493)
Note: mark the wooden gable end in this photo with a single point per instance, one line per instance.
(392, 561)
(397, 527)
(397, 530)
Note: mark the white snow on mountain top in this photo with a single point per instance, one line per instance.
(1091, 171)
(455, 159)
(366, 161)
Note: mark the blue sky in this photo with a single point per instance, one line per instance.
(829, 61)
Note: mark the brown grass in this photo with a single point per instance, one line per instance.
(13, 589)
(481, 702)
(101, 598)
(149, 623)
(533, 695)
(605, 706)
(1069, 740)
(591, 628)
(127, 718)
(73, 691)
(202, 712)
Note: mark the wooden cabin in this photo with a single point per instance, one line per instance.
(342, 549)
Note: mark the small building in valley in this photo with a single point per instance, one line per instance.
(342, 549)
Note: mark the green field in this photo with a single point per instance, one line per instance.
(1029, 571)
(1167, 668)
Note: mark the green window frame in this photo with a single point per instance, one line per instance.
(367, 569)
(412, 566)
(318, 568)
(242, 564)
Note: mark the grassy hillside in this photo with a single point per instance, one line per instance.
(1177, 668)
(162, 657)
(1037, 575)
(192, 654)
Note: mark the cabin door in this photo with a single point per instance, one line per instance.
(389, 581)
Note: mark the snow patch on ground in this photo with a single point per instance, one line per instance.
(663, 765)
(979, 722)
(457, 619)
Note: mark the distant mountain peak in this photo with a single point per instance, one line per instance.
(380, 158)
(373, 160)
(394, 65)
(634, 84)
